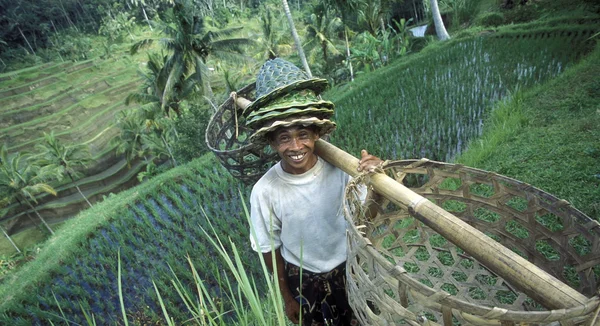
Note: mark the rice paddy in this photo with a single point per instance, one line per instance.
(431, 106)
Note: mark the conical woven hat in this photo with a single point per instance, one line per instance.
(278, 77)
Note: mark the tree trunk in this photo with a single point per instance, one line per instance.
(40, 217)
(348, 58)
(146, 17)
(27, 41)
(169, 150)
(67, 16)
(82, 195)
(10, 239)
(288, 14)
(440, 30)
(79, 190)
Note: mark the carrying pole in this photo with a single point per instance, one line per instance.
(530, 279)
(527, 277)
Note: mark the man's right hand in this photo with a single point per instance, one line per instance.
(292, 310)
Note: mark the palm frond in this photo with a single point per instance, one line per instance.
(140, 45)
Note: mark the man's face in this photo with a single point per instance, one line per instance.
(295, 145)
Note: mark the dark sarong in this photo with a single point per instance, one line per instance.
(323, 297)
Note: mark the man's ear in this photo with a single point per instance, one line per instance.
(272, 144)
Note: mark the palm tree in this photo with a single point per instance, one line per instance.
(157, 144)
(21, 181)
(440, 29)
(288, 14)
(189, 44)
(10, 240)
(3, 203)
(129, 140)
(273, 41)
(154, 84)
(64, 159)
(320, 30)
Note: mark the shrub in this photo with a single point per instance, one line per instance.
(491, 19)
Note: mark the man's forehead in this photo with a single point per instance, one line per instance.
(291, 129)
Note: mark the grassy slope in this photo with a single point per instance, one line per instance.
(549, 137)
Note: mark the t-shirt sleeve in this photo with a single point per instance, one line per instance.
(265, 224)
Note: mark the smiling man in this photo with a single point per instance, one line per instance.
(296, 207)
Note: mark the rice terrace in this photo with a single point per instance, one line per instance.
(123, 199)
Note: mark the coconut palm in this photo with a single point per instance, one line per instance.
(21, 181)
(129, 140)
(440, 29)
(301, 54)
(320, 32)
(273, 42)
(65, 159)
(190, 44)
(153, 87)
(10, 240)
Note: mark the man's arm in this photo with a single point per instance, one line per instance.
(292, 307)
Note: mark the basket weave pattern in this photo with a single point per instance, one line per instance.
(402, 272)
(228, 137)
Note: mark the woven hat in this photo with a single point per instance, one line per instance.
(286, 96)
(324, 126)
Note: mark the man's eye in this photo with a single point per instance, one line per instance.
(284, 139)
(304, 136)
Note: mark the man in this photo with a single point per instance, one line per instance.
(296, 207)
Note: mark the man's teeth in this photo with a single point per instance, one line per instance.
(297, 157)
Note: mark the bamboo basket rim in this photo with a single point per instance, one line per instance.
(439, 297)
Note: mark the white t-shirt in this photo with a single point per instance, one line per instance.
(306, 215)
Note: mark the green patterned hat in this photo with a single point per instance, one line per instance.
(286, 93)
(278, 77)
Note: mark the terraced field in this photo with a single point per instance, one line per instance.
(78, 101)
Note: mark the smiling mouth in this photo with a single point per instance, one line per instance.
(297, 157)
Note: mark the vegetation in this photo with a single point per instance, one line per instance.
(530, 88)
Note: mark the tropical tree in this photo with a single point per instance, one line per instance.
(301, 54)
(21, 181)
(190, 44)
(273, 42)
(440, 29)
(154, 82)
(10, 239)
(64, 159)
(129, 140)
(321, 31)
(157, 143)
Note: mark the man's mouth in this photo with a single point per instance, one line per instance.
(297, 157)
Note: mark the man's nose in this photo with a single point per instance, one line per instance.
(296, 143)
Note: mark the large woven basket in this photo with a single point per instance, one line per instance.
(227, 136)
(400, 272)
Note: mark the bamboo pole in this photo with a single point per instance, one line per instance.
(529, 278)
(532, 280)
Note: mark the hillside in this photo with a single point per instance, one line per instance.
(78, 101)
(521, 100)
(154, 224)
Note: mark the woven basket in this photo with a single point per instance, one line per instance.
(227, 136)
(400, 272)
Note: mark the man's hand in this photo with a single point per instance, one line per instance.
(368, 162)
(292, 310)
